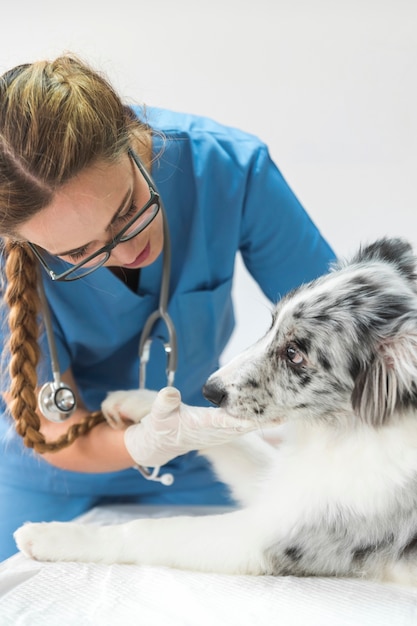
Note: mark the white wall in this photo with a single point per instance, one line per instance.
(330, 85)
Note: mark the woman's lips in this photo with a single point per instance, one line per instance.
(141, 258)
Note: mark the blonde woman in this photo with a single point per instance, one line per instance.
(73, 176)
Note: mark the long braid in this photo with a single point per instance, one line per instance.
(23, 300)
(57, 118)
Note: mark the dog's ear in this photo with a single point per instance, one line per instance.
(388, 385)
(395, 251)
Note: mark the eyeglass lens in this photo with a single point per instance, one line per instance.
(140, 223)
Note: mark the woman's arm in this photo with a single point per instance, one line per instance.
(101, 450)
(280, 244)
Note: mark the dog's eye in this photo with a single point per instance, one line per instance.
(294, 355)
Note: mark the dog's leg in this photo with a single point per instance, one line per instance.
(228, 543)
(241, 464)
(124, 407)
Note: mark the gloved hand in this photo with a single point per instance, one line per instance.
(173, 428)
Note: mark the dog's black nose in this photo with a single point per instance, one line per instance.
(214, 392)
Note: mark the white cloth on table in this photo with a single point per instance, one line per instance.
(64, 594)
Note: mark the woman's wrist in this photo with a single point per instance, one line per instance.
(101, 450)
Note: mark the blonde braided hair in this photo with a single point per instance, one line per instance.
(56, 118)
(23, 300)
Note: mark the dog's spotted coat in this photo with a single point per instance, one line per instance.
(337, 370)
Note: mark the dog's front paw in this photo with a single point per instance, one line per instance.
(70, 541)
(122, 408)
(43, 542)
(65, 541)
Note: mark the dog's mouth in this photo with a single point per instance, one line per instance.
(254, 416)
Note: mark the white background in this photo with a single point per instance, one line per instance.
(330, 85)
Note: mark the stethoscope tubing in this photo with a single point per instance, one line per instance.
(47, 398)
(46, 312)
(170, 346)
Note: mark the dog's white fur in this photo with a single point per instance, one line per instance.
(338, 496)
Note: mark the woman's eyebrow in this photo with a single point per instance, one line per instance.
(123, 204)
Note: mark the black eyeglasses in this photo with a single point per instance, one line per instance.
(136, 225)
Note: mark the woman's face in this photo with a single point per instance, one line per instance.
(88, 211)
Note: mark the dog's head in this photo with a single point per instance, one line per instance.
(342, 345)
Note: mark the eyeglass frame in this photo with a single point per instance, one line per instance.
(154, 199)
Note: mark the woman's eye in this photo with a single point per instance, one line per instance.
(77, 256)
(129, 213)
(294, 355)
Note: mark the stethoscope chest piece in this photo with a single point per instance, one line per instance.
(56, 402)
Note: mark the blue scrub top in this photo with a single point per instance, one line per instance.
(222, 193)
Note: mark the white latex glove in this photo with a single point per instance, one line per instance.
(173, 428)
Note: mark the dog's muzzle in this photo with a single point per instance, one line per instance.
(215, 392)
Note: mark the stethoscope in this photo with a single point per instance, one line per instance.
(57, 401)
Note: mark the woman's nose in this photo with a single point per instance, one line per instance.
(125, 252)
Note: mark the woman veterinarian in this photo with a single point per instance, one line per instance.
(74, 165)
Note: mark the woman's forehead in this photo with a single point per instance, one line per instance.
(82, 208)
